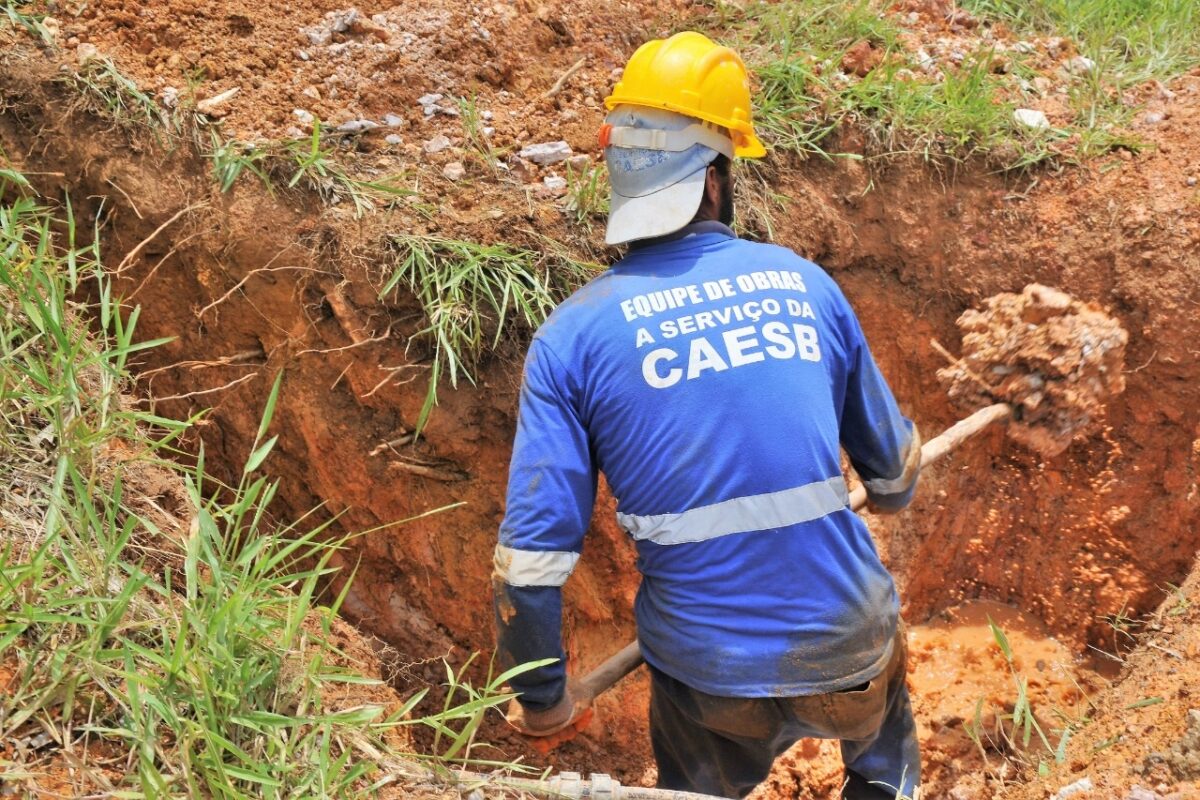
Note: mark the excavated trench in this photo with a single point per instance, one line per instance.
(249, 284)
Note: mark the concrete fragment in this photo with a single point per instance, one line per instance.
(436, 145)
(1031, 118)
(546, 153)
(454, 171)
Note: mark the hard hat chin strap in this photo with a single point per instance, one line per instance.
(670, 141)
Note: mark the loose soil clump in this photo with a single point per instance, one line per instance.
(1054, 359)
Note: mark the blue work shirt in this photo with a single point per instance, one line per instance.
(712, 381)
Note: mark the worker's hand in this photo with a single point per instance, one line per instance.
(555, 725)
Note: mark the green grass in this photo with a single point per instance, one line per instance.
(587, 197)
(1012, 732)
(196, 642)
(310, 164)
(479, 144)
(107, 92)
(1130, 41)
(472, 293)
(796, 50)
(231, 158)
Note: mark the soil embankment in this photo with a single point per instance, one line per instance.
(250, 283)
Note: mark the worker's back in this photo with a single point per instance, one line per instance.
(711, 380)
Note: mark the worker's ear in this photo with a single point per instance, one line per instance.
(712, 187)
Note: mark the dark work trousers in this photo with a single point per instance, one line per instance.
(725, 746)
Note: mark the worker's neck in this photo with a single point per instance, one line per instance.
(693, 228)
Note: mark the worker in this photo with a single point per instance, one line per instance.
(712, 380)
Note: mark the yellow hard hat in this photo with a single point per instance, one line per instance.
(693, 75)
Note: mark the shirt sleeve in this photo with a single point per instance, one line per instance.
(876, 436)
(551, 491)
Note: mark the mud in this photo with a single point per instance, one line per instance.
(1056, 360)
(249, 283)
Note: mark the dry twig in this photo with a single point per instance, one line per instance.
(562, 80)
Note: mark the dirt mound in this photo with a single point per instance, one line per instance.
(1054, 359)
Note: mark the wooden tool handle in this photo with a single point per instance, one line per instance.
(615, 667)
(629, 657)
(949, 439)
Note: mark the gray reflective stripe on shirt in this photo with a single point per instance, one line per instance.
(533, 567)
(741, 514)
(898, 485)
(886, 486)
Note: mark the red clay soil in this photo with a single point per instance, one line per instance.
(250, 284)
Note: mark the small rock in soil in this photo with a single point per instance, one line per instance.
(555, 183)
(427, 100)
(169, 97)
(1078, 787)
(861, 58)
(341, 21)
(393, 121)
(1184, 756)
(357, 126)
(1138, 793)
(579, 163)
(1031, 118)
(393, 139)
(454, 171)
(1153, 117)
(86, 52)
(1080, 65)
(546, 153)
(437, 144)
(302, 116)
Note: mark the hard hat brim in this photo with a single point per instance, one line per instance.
(750, 147)
(656, 214)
